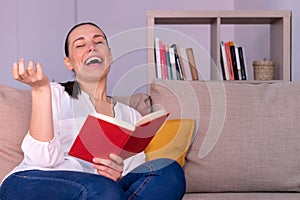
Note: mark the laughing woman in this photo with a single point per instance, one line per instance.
(47, 172)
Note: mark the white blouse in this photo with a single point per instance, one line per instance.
(68, 116)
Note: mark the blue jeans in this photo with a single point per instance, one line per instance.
(157, 179)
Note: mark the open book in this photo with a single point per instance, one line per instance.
(101, 135)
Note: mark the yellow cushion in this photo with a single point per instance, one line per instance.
(172, 141)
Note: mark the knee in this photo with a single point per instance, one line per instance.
(165, 167)
(172, 170)
(172, 174)
(104, 189)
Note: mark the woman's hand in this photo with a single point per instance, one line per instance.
(31, 76)
(111, 168)
(41, 123)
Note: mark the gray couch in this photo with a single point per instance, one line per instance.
(246, 142)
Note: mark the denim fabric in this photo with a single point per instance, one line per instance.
(158, 179)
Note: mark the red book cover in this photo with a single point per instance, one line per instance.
(163, 60)
(229, 61)
(101, 135)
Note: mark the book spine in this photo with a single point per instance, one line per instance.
(229, 62)
(157, 58)
(192, 64)
(164, 74)
(224, 63)
(243, 63)
(238, 63)
(233, 60)
(175, 75)
(181, 62)
(168, 62)
(178, 67)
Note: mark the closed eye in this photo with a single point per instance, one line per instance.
(78, 46)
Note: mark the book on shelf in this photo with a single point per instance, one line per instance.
(223, 62)
(238, 62)
(234, 60)
(163, 61)
(175, 73)
(229, 61)
(168, 63)
(192, 64)
(174, 63)
(178, 62)
(242, 63)
(223, 65)
(180, 56)
(157, 57)
(185, 64)
(101, 135)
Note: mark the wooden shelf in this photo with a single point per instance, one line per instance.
(278, 20)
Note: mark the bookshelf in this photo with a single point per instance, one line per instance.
(279, 22)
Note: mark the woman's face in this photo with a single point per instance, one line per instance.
(89, 54)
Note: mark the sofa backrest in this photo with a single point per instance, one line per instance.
(15, 107)
(247, 136)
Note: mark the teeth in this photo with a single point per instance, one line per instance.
(93, 60)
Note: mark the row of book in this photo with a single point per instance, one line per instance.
(232, 61)
(170, 62)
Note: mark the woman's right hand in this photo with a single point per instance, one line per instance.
(31, 76)
(41, 123)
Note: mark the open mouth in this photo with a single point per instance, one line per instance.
(93, 60)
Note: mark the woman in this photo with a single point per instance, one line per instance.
(47, 172)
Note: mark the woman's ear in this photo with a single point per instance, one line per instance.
(68, 64)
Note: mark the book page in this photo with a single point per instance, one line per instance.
(123, 124)
(112, 120)
(151, 116)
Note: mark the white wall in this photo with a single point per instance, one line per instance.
(36, 30)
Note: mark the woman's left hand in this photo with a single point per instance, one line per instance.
(111, 168)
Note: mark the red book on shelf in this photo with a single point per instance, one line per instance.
(164, 70)
(229, 60)
(101, 135)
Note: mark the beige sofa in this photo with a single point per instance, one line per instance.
(246, 142)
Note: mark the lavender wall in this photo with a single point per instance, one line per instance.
(125, 25)
(292, 5)
(36, 30)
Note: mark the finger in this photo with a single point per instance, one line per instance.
(21, 67)
(39, 70)
(102, 173)
(109, 163)
(102, 168)
(117, 159)
(108, 172)
(15, 70)
(30, 68)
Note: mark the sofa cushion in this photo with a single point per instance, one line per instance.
(172, 140)
(247, 135)
(243, 196)
(15, 106)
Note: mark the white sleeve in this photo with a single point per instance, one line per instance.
(46, 154)
(42, 154)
